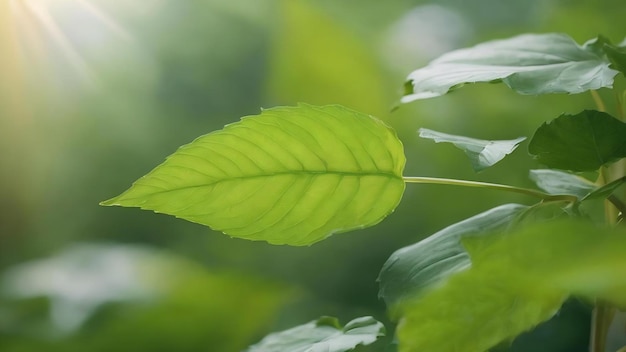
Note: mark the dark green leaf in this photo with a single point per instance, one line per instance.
(515, 282)
(581, 142)
(617, 56)
(292, 175)
(560, 182)
(529, 64)
(482, 153)
(325, 335)
(411, 270)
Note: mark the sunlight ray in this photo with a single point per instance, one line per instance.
(105, 19)
(48, 23)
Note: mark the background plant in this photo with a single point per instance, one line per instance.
(159, 89)
(298, 175)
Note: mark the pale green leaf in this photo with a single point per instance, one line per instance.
(516, 282)
(412, 270)
(581, 142)
(291, 175)
(324, 334)
(482, 153)
(529, 64)
(561, 182)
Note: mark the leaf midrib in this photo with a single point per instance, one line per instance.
(294, 173)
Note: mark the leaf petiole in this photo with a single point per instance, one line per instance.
(464, 183)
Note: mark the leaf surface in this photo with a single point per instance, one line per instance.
(580, 142)
(607, 189)
(617, 56)
(482, 153)
(324, 334)
(561, 182)
(515, 282)
(529, 64)
(412, 270)
(291, 175)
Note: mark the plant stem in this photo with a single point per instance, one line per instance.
(620, 105)
(507, 188)
(601, 320)
(598, 100)
(603, 313)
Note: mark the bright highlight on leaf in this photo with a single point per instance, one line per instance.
(482, 153)
(529, 64)
(581, 142)
(325, 335)
(516, 282)
(291, 175)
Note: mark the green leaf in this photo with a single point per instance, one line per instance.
(606, 190)
(529, 64)
(581, 142)
(482, 153)
(617, 56)
(560, 182)
(516, 282)
(412, 270)
(292, 175)
(325, 334)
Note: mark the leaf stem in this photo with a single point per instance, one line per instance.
(507, 188)
(598, 100)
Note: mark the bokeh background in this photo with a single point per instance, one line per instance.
(95, 93)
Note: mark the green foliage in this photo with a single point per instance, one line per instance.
(296, 175)
(122, 289)
(411, 270)
(324, 334)
(560, 182)
(342, 170)
(481, 153)
(529, 64)
(617, 56)
(580, 142)
(514, 283)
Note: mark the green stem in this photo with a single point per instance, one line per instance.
(620, 104)
(601, 320)
(598, 100)
(507, 188)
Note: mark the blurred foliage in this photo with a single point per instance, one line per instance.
(131, 298)
(95, 93)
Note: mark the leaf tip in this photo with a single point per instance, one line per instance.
(109, 202)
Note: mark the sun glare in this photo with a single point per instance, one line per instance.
(45, 30)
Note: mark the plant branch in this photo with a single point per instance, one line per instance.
(507, 188)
